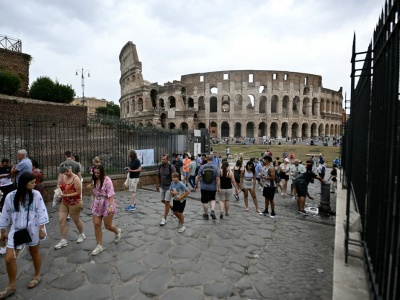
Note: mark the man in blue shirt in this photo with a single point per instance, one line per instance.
(209, 186)
(24, 165)
(216, 159)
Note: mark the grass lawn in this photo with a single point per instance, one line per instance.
(300, 151)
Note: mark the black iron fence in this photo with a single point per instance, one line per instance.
(372, 151)
(10, 43)
(108, 138)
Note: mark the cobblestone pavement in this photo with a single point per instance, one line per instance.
(243, 256)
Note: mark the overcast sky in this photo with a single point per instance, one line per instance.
(177, 37)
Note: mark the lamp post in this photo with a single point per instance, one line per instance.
(83, 82)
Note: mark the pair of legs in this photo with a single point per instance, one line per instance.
(253, 196)
(74, 212)
(333, 186)
(11, 265)
(192, 181)
(301, 190)
(168, 206)
(224, 201)
(97, 220)
(208, 197)
(269, 194)
(283, 184)
(133, 182)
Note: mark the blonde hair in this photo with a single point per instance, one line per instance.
(97, 160)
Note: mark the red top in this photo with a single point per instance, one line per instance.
(69, 189)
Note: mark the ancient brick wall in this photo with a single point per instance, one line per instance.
(47, 112)
(17, 63)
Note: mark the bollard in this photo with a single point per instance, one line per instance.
(325, 204)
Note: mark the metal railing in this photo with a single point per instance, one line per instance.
(108, 138)
(10, 43)
(371, 152)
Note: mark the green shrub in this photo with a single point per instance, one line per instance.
(9, 83)
(45, 89)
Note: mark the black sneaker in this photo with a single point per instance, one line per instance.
(205, 216)
(221, 215)
(272, 216)
(236, 197)
(213, 215)
(265, 212)
(304, 213)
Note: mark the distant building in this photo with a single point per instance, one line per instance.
(233, 103)
(90, 103)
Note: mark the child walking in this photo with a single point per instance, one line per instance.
(179, 191)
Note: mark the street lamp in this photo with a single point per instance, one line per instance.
(83, 82)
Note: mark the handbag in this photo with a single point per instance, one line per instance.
(126, 183)
(57, 197)
(22, 236)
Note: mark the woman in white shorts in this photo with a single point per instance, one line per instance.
(248, 184)
(227, 184)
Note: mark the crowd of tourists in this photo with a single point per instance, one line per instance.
(24, 215)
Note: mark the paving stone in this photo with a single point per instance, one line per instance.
(155, 260)
(86, 292)
(160, 246)
(61, 266)
(99, 273)
(183, 266)
(182, 293)
(134, 241)
(69, 281)
(156, 282)
(218, 290)
(126, 291)
(129, 270)
(51, 295)
(187, 252)
(79, 257)
(191, 279)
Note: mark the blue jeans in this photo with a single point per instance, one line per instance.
(192, 181)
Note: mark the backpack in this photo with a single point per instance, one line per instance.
(208, 174)
(236, 174)
(322, 170)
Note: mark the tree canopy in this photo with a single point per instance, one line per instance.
(111, 109)
(46, 89)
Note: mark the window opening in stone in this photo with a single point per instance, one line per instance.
(274, 76)
(214, 90)
(261, 89)
(226, 76)
(251, 78)
(213, 104)
(306, 80)
(172, 102)
(201, 78)
(285, 77)
(251, 102)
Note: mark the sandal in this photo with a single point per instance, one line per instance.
(7, 292)
(34, 282)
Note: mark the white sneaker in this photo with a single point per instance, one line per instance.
(97, 250)
(81, 238)
(163, 222)
(62, 243)
(182, 229)
(117, 236)
(3, 250)
(179, 224)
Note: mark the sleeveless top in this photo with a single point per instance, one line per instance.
(69, 189)
(226, 181)
(248, 175)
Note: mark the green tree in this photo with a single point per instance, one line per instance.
(111, 109)
(45, 89)
(9, 83)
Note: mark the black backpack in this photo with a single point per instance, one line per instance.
(208, 174)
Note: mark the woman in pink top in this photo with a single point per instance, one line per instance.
(103, 207)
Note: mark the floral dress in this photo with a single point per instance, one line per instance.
(101, 198)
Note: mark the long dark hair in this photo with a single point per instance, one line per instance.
(252, 169)
(102, 175)
(225, 166)
(22, 191)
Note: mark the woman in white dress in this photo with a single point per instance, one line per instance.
(24, 208)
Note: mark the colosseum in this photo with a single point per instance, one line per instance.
(234, 104)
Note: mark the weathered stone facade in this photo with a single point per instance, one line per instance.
(17, 63)
(246, 103)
